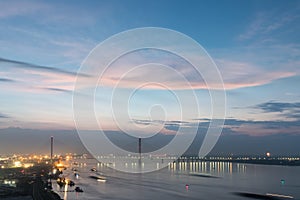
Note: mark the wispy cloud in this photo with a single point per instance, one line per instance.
(58, 90)
(265, 23)
(257, 64)
(262, 128)
(167, 127)
(287, 110)
(3, 115)
(243, 74)
(71, 47)
(34, 78)
(19, 8)
(148, 122)
(234, 126)
(46, 13)
(20, 64)
(177, 74)
(6, 80)
(257, 128)
(278, 106)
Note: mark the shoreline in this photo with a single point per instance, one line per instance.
(262, 161)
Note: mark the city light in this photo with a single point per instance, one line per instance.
(17, 164)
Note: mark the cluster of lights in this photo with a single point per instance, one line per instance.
(25, 161)
(129, 156)
(20, 164)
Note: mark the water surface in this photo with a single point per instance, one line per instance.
(194, 180)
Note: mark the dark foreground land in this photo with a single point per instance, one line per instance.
(30, 183)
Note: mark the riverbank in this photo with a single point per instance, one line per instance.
(293, 161)
(27, 183)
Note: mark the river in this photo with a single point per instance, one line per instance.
(197, 180)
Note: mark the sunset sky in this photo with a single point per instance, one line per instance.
(255, 44)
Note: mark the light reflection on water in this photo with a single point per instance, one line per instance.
(206, 167)
(206, 180)
(66, 192)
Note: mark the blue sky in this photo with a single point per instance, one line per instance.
(255, 44)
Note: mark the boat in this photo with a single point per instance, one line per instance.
(98, 178)
(94, 169)
(78, 189)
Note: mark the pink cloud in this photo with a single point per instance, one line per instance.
(234, 74)
(262, 130)
(38, 81)
(239, 75)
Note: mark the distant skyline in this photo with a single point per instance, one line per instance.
(255, 44)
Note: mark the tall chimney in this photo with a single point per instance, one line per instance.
(140, 152)
(51, 151)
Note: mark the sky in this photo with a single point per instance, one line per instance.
(255, 45)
